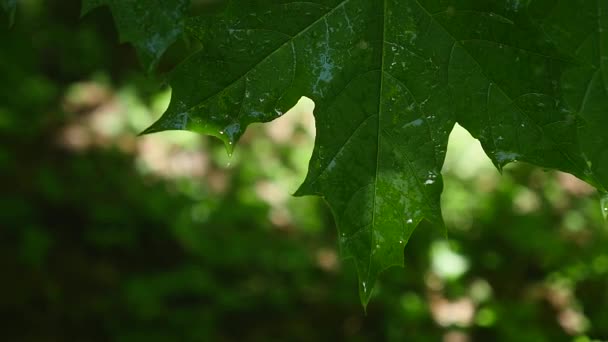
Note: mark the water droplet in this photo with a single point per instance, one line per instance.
(410, 221)
(401, 241)
(604, 205)
(363, 45)
(221, 132)
(364, 286)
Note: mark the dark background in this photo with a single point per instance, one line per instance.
(106, 236)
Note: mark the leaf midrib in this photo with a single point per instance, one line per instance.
(382, 63)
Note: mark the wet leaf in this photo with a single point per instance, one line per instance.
(390, 79)
(150, 25)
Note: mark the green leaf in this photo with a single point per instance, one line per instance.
(10, 6)
(390, 79)
(150, 25)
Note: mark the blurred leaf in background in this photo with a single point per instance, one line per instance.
(108, 236)
(10, 7)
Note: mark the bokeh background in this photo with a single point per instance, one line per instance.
(107, 236)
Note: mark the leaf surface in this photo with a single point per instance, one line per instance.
(150, 25)
(390, 79)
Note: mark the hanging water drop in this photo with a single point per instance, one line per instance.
(604, 205)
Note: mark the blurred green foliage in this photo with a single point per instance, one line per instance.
(106, 236)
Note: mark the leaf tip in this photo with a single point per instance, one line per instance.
(149, 130)
(365, 293)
